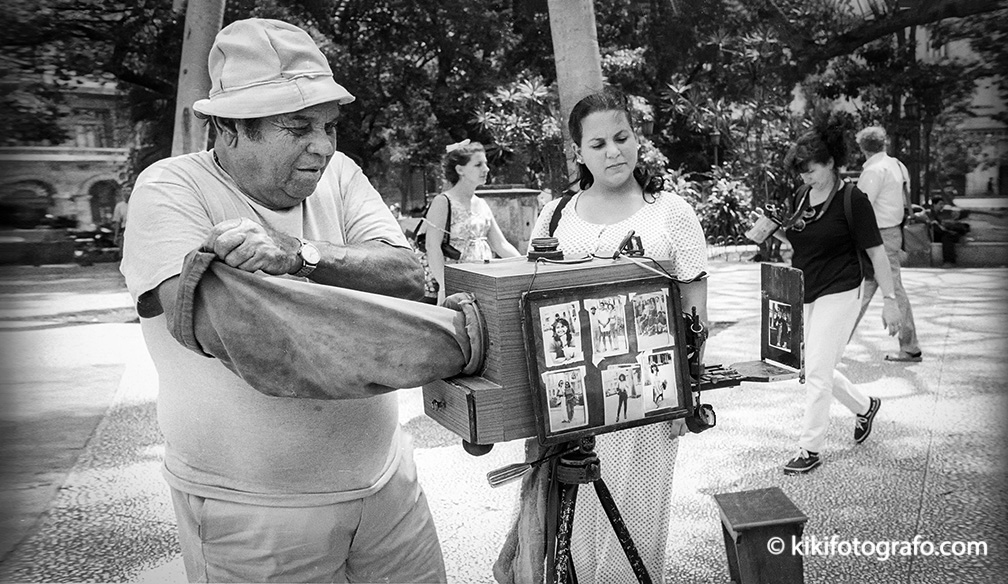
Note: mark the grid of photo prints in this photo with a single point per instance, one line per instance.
(633, 385)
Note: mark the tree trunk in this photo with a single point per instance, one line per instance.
(577, 58)
(203, 21)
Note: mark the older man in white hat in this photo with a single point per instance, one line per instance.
(272, 488)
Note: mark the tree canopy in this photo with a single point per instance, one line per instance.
(426, 71)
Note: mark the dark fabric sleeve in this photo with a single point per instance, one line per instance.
(289, 338)
(865, 230)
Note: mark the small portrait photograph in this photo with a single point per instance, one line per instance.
(779, 324)
(565, 393)
(650, 312)
(659, 382)
(607, 317)
(561, 334)
(624, 400)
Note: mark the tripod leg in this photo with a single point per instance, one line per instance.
(563, 565)
(622, 534)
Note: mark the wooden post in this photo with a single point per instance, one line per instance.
(577, 58)
(203, 21)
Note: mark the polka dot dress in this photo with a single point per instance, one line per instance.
(637, 463)
(668, 228)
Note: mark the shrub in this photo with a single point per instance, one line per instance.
(722, 202)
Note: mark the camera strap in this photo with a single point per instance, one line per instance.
(803, 207)
(555, 217)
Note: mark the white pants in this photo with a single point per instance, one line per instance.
(829, 321)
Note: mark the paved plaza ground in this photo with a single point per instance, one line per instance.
(83, 500)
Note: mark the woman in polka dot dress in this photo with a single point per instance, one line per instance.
(637, 463)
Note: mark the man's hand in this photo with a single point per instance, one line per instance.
(249, 246)
(892, 319)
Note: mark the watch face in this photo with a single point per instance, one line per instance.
(310, 254)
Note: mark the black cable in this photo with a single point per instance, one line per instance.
(658, 265)
(535, 270)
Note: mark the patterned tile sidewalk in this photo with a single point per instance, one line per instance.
(934, 466)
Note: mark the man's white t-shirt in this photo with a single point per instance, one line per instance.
(882, 179)
(224, 439)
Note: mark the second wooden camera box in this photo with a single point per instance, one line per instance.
(497, 405)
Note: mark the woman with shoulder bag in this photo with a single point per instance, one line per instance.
(473, 230)
(826, 248)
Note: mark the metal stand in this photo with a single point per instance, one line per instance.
(571, 471)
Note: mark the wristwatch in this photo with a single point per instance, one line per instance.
(310, 258)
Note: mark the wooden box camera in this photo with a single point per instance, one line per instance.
(497, 405)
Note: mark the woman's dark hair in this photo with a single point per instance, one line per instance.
(459, 154)
(609, 99)
(566, 324)
(824, 141)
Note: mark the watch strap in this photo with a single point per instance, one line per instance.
(306, 267)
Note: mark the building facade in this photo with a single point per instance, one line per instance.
(80, 179)
(990, 177)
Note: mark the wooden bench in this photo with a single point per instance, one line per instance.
(754, 523)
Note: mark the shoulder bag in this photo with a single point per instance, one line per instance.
(420, 236)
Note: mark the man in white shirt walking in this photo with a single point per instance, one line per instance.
(886, 182)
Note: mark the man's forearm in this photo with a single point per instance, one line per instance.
(370, 267)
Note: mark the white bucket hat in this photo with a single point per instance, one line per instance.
(261, 67)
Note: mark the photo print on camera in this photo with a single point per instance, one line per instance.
(561, 333)
(650, 311)
(659, 381)
(565, 393)
(779, 325)
(622, 390)
(607, 317)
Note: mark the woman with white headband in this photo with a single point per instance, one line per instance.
(474, 231)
